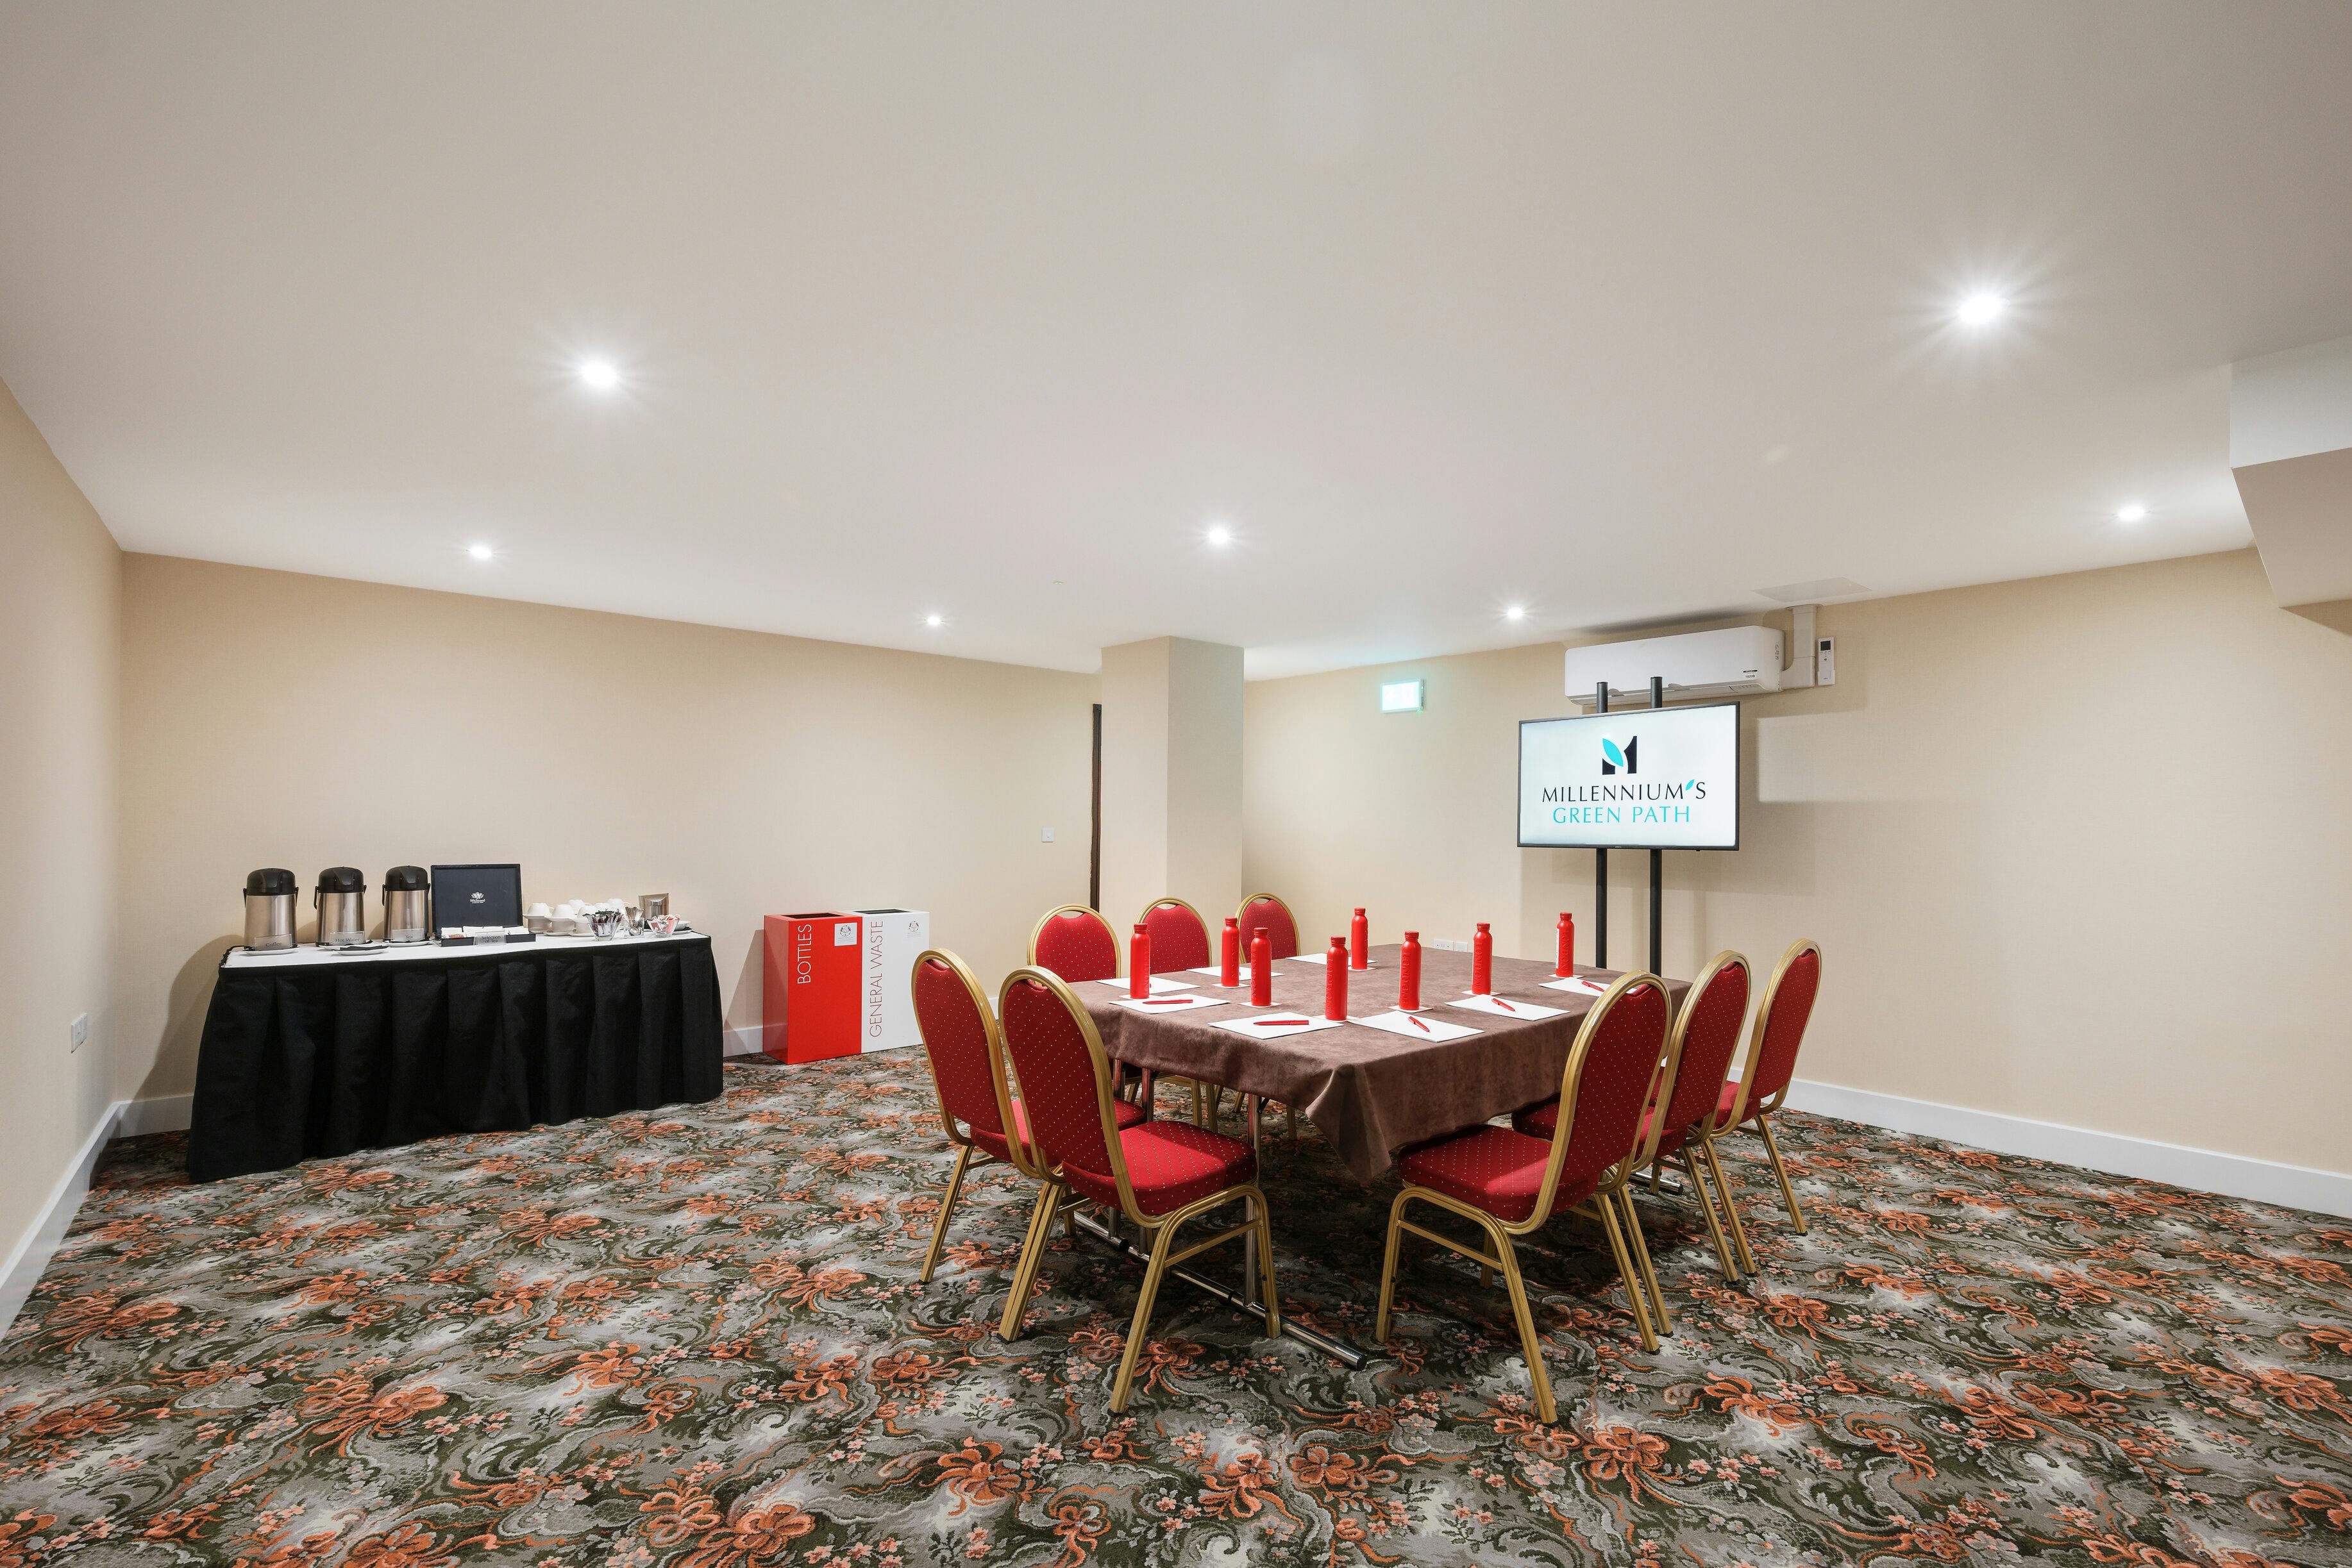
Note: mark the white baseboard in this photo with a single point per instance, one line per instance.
(749, 1041)
(164, 1113)
(2235, 1176)
(39, 1242)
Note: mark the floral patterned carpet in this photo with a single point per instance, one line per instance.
(694, 1337)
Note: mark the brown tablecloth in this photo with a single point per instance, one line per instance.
(1373, 1094)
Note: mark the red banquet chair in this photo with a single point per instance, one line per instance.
(1264, 912)
(1074, 943)
(1680, 1121)
(1160, 1174)
(976, 1105)
(1770, 1065)
(1180, 937)
(1510, 1182)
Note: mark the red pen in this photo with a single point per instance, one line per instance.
(1162, 1002)
(1502, 1004)
(1416, 1023)
(1278, 1023)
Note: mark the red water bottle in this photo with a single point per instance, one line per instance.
(1359, 936)
(1260, 969)
(1229, 953)
(1138, 962)
(1334, 981)
(1481, 960)
(1566, 968)
(1408, 973)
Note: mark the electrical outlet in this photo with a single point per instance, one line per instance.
(1049, 836)
(79, 1032)
(1443, 945)
(1825, 662)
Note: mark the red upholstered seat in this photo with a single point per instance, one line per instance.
(1538, 1121)
(1494, 1168)
(1126, 1113)
(1169, 1164)
(1730, 1100)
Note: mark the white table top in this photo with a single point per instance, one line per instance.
(304, 956)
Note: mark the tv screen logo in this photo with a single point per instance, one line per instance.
(1613, 760)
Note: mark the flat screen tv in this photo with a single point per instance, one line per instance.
(1649, 779)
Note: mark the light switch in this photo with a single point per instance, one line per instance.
(1049, 836)
(79, 1032)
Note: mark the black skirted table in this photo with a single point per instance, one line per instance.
(310, 1053)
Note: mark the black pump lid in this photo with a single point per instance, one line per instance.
(342, 879)
(405, 879)
(269, 882)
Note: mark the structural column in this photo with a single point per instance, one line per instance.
(1171, 776)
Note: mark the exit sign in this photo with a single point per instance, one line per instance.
(1401, 696)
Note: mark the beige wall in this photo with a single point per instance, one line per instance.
(60, 603)
(273, 719)
(2076, 847)
(1171, 776)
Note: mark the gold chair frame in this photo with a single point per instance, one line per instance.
(966, 1149)
(1705, 1164)
(1117, 954)
(1158, 1229)
(1741, 1111)
(1604, 1203)
(1270, 898)
(1202, 1114)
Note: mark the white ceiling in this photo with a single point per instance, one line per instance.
(1621, 312)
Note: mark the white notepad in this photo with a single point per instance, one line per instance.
(1416, 1027)
(1216, 971)
(1507, 1009)
(1159, 983)
(1170, 1004)
(1261, 1029)
(1578, 988)
(1303, 958)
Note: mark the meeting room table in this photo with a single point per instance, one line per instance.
(1373, 1095)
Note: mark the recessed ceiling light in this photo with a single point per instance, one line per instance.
(602, 374)
(1516, 612)
(934, 620)
(1980, 309)
(2131, 513)
(1220, 535)
(480, 552)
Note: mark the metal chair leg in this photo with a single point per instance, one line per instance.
(1546, 1411)
(1032, 1251)
(946, 1207)
(1633, 1279)
(1265, 1263)
(1642, 1257)
(1772, 1152)
(1730, 1209)
(1699, 1189)
(1152, 1271)
(1389, 1268)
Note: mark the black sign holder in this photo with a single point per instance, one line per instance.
(1657, 864)
(1657, 860)
(1600, 867)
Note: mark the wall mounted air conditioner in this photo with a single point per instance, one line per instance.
(1737, 662)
